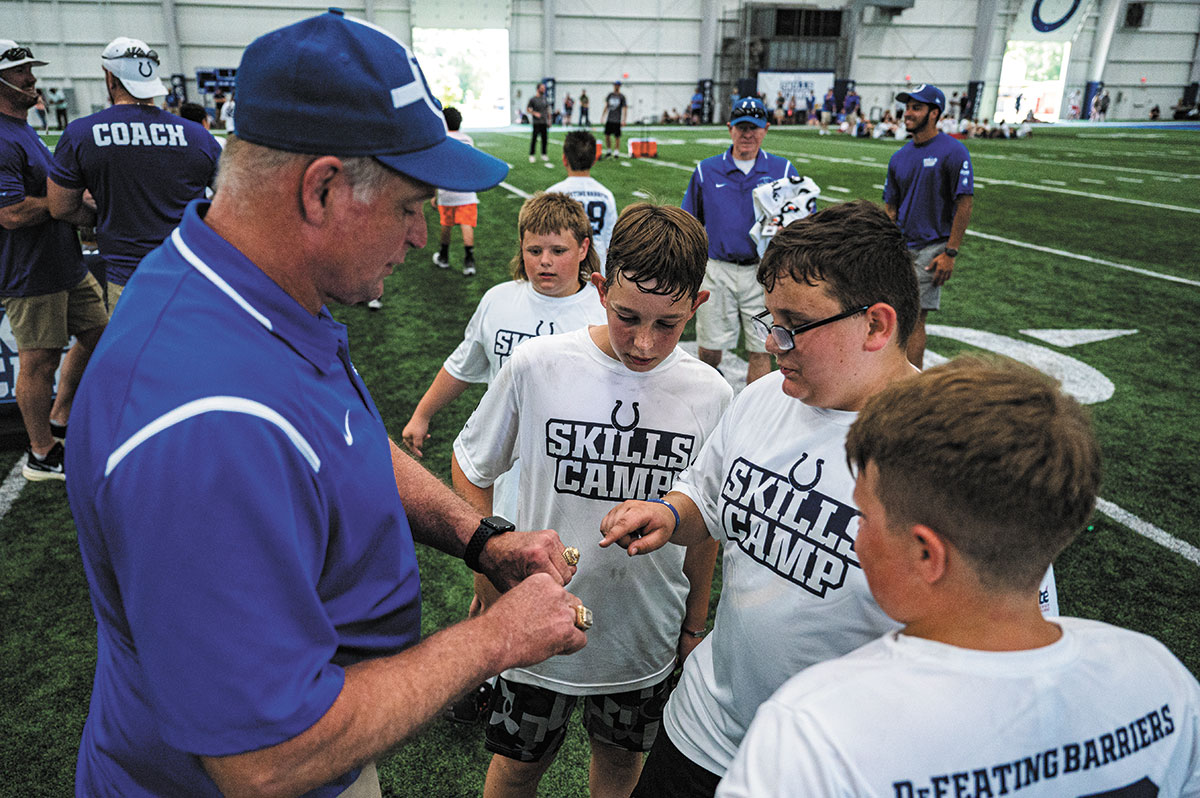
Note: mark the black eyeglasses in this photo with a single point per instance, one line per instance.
(784, 338)
(16, 54)
(136, 52)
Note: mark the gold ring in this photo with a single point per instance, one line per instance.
(571, 555)
(583, 617)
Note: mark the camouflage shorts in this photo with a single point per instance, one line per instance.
(527, 723)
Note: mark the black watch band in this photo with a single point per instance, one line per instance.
(488, 527)
(951, 252)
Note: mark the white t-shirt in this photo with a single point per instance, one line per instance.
(590, 434)
(773, 486)
(450, 198)
(508, 315)
(599, 205)
(1102, 712)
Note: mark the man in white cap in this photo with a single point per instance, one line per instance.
(141, 163)
(246, 525)
(46, 290)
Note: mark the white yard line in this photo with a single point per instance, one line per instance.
(1148, 530)
(12, 486)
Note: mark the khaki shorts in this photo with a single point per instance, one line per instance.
(112, 293)
(734, 296)
(48, 321)
(365, 786)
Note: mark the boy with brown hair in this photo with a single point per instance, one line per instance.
(598, 416)
(971, 479)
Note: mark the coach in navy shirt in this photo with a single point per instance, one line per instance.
(142, 164)
(928, 192)
(720, 195)
(46, 291)
(246, 525)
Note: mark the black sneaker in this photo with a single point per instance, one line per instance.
(49, 467)
(472, 707)
(469, 269)
(59, 431)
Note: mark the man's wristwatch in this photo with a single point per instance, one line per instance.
(951, 252)
(488, 528)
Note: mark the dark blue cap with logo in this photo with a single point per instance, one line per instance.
(336, 85)
(925, 93)
(749, 109)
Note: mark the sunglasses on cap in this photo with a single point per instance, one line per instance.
(16, 54)
(136, 52)
(750, 109)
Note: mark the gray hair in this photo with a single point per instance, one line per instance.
(244, 165)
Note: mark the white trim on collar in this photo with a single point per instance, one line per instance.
(215, 279)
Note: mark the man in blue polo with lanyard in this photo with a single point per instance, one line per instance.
(246, 524)
(141, 163)
(720, 195)
(929, 190)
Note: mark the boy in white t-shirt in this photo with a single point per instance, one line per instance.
(971, 479)
(579, 154)
(550, 293)
(598, 416)
(459, 208)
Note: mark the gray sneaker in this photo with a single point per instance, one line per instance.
(48, 467)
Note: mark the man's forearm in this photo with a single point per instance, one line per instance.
(437, 515)
(962, 218)
(29, 211)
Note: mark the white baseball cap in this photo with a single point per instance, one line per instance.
(14, 55)
(132, 62)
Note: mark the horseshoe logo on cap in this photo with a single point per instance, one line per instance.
(148, 70)
(808, 485)
(637, 416)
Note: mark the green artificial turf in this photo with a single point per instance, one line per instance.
(1149, 428)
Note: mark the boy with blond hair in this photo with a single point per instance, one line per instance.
(598, 416)
(971, 479)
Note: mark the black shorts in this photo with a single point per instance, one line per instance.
(528, 723)
(669, 774)
(612, 129)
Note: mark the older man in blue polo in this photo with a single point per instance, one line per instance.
(246, 524)
(720, 195)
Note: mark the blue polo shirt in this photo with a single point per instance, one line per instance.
(242, 537)
(923, 182)
(720, 196)
(143, 166)
(42, 258)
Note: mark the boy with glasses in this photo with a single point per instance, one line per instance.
(971, 479)
(772, 486)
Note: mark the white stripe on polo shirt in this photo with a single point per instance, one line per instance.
(214, 404)
(215, 279)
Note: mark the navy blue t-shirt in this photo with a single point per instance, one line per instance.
(923, 182)
(42, 258)
(143, 166)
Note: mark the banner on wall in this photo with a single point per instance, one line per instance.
(797, 84)
(1048, 20)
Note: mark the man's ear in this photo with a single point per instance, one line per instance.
(318, 183)
(882, 321)
(930, 553)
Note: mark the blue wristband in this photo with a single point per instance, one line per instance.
(674, 512)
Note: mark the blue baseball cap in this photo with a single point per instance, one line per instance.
(925, 93)
(336, 85)
(749, 109)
